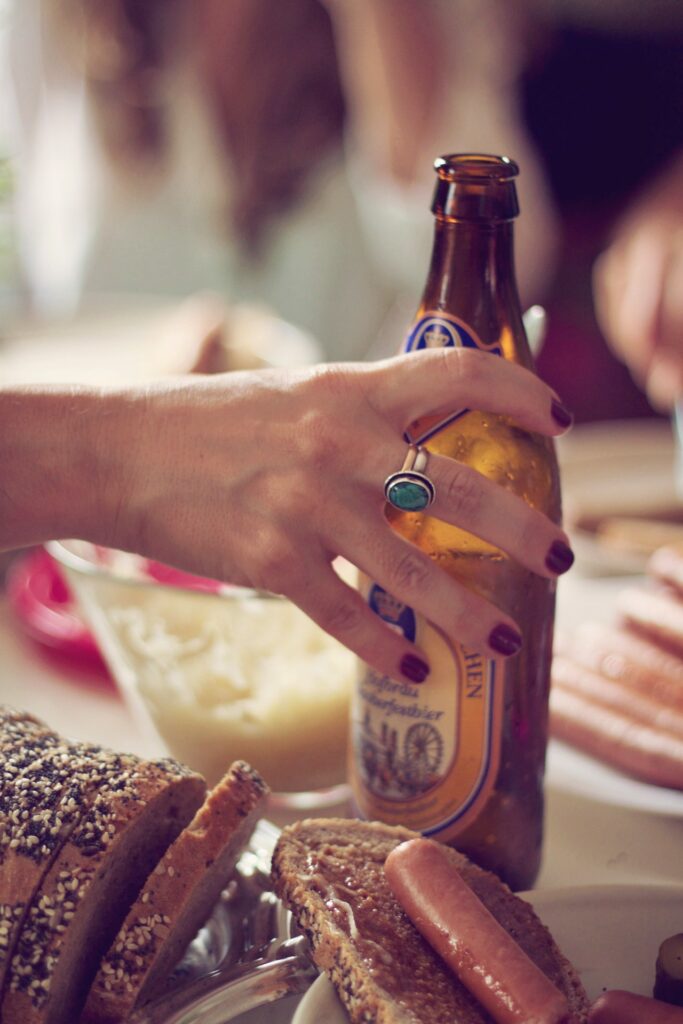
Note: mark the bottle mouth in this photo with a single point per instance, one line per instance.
(475, 167)
(475, 187)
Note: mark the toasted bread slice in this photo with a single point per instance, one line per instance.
(330, 873)
(177, 898)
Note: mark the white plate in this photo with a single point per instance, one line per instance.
(611, 935)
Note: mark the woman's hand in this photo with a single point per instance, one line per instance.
(638, 286)
(263, 478)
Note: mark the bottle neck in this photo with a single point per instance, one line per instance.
(472, 274)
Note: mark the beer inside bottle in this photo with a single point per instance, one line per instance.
(461, 756)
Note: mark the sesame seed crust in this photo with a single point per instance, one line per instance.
(22, 740)
(177, 898)
(41, 810)
(110, 806)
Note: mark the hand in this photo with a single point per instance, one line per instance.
(262, 478)
(638, 286)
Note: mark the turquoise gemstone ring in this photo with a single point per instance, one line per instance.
(410, 490)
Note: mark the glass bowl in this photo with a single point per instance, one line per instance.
(220, 672)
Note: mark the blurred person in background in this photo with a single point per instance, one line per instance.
(282, 153)
(272, 152)
(602, 98)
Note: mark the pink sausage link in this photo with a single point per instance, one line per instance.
(619, 1007)
(466, 935)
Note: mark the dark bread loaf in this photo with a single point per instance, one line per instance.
(40, 810)
(177, 898)
(37, 790)
(330, 873)
(127, 819)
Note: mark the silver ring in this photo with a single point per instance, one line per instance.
(411, 490)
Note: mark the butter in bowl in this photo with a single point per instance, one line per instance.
(220, 672)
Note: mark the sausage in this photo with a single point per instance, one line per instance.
(619, 1007)
(468, 937)
(658, 614)
(596, 687)
(630, 660)
(649, 754)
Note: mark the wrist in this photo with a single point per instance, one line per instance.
(62, 453)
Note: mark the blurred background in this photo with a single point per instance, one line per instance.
(279, 159)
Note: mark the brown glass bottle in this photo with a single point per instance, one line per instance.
(461, 757)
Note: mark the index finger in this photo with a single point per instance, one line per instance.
(443, 381)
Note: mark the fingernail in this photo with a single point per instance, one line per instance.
(414, 668)
(560, 557)
(505, 639)
(560, 413)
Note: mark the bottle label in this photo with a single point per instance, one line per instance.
(426, 755)
(441, 330)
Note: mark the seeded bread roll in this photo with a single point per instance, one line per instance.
(40, 811)
(330, 873)
(126, 826)
(177, 898)
(24, 740)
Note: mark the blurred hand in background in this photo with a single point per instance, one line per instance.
(638, 283)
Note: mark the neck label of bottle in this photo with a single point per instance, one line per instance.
(441, 330)
(426, 755)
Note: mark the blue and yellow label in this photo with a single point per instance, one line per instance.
(426, 755)
(441, 330)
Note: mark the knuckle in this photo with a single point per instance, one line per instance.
(464, 364)
(410, 573)
(344, 617)
(463, 492)
(318, 440)
(274, 564)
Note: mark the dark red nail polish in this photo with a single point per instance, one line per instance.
(560, 413)
(505, 639)
(560, 557)
(414, 668)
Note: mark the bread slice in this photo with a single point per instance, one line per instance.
(330, 873)
(127, 822)
(40, 810)
(177, 898)
(42, 784)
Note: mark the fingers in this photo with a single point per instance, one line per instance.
(442, 381)
(411, 576)
(637, 288)
(469, 500)
(664, 383)
(665, 376)
(344, 614)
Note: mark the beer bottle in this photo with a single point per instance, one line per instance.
(461, 756)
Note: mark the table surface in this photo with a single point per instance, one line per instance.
(588, 841)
